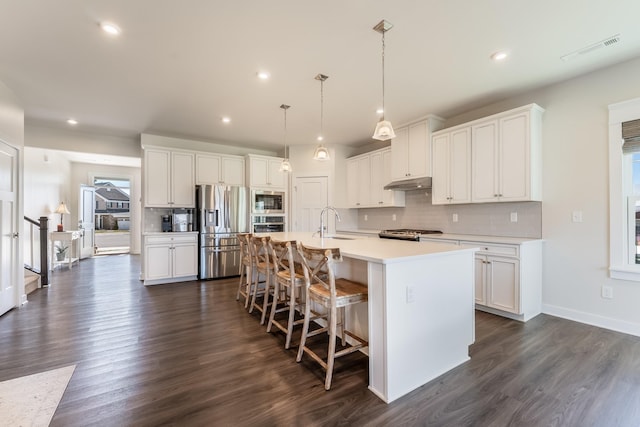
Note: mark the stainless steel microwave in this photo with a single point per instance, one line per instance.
(267, 202)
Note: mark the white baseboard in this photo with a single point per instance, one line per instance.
(593, 319)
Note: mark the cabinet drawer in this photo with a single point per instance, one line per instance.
(163, 240)
(493, 248)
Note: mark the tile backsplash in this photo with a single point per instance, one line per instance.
(490, 219)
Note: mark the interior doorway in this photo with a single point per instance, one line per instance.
(8, 226)
(310, 197)
(112, 215)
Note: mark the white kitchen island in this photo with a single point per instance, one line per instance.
(420, 314)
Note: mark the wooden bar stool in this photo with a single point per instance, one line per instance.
(289, 279)
(246, 269)
(332, 294)
(264, 267)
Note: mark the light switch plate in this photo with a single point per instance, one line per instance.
(514, 216)
(576, 216)
(455, 217)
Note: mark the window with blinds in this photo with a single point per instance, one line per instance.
(631, 136)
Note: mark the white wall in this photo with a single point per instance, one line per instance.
(12, 132)
(46, 184)
(575, 177)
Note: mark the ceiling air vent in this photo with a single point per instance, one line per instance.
(609, 41)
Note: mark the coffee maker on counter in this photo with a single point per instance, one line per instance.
(179, 221)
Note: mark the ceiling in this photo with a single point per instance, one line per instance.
(178, 67)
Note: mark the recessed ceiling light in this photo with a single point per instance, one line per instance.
(72, 122)
(263, 75)
(110, 28)
(499, 56)
(226, 120)
(379, 111)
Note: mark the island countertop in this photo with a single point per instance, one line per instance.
(383, 251)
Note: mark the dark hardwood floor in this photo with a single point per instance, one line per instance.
(189, 354)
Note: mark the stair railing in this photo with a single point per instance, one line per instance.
(35, 247)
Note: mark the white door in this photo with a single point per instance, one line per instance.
(86, 220)
(310, 197)
(8, 226)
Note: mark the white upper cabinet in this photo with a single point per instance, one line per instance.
(168, 178)
(219, 169)
(452, 166)
(411, 150)
(264, 172)
(506, 156)
(367, 174)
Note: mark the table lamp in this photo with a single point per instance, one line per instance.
(62, 209)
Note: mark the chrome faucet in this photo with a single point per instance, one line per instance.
(322, 218)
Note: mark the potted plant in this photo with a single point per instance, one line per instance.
(61, 252)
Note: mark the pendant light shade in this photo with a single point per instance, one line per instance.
(285, 166)
(384, 130)
(321, 153)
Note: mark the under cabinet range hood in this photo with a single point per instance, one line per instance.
(409, 184)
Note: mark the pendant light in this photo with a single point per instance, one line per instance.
(384, 130)
(321, 153)
(285, 166)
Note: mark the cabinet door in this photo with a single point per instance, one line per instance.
(389, 198)
(157, 260)
(232, 171)
(400, 155)
(460, 166)
(183, 182)
(480, 280)
(207, 169)
(484, 158)
(276, 178)
(259, 170)
(514, 165)
(419, 155)
(503, 284)
(364, 181)
(157, 178)
(441, 176)
(185, 260)
(352, 182)
(377, 174)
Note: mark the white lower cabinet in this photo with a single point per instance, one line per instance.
(508, 278)
(170, 257)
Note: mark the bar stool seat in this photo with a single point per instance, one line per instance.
(334, 294)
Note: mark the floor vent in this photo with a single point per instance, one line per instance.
(609, 41)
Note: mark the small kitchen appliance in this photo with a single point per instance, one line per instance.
(406, 234)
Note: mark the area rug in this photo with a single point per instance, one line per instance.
(32, 400)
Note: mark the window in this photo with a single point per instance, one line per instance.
(624, 195)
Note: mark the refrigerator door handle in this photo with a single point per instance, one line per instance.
(217, 217)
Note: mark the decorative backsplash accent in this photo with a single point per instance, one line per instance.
(490, 219)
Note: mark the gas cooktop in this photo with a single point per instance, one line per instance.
(406, 234)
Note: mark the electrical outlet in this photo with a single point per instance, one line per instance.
(393, 217)
(366, 217)
(607, 292)
(514, 216)
(410, 294)
(455, 218)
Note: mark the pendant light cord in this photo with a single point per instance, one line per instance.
(285, 134)
(321, 109)
(383, 109)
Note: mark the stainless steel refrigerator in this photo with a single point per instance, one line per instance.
(221, 212)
